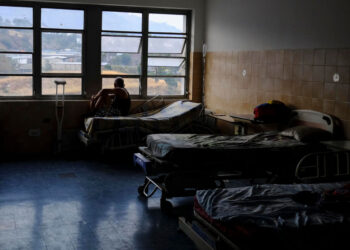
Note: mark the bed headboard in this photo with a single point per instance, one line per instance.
(313, 119)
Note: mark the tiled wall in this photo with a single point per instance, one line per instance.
(299, 78)
(195, 86)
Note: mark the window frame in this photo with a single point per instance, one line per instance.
(20, 53)
(83, 51)
(89, 86)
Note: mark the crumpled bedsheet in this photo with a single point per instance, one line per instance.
(271, 206)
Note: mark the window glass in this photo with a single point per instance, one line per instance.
(16, 86)
(16, 16)
(62, 19)
(16, 40)
(73, 86)
(121, 63)
(121, 44)
(166, 71)
(61, 52)
(121, 21)
(165, 86)
(15, 63)
(170, 62)
(131, 84)
(167, 23)
(165, 45)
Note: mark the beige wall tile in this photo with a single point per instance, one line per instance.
(308, 57)
(297, 57)
(288, 57)
(297, 72)
(343, 58)
(318, 73)
(317, 104)
(329, 91)
(288, 72)
(328, 107)
(317, 90)
(342, 93)
(319, 57)
(331, 57)
(329, 72)
(344, 73)
(307, 73)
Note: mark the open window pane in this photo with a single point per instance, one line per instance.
(16, 86)
(73, 86)
(167, 23)
(16, 40)
(165, 86)
(61, 52)
(16, 16)
(165, 45)
(165, 62)
(131, 84)
(121, 64)
(62, 19)
(167, 71)
(120, 44)
(121, 21)
(15, 64)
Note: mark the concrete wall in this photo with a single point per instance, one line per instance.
(289, 49)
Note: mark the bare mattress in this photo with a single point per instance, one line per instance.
(168, 119)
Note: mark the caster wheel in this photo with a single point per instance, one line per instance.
(140, 191)
(166, 206)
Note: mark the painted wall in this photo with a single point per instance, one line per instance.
(290, 51)
(274, 24)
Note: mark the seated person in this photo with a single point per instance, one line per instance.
(111, 102)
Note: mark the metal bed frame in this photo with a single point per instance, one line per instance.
(314, 167)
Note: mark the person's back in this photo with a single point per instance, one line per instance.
(121, 101)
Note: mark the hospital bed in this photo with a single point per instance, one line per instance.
(180, 164)
(109, 133)
(278, 216)
(271, 216)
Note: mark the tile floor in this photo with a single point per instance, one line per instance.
(81, 204)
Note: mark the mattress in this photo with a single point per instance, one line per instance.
(267, 211)
(262, 150)
(171, 118)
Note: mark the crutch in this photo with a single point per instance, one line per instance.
(59, 113)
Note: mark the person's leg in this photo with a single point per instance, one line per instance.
(103, 100)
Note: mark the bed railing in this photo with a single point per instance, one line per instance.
(323, 166)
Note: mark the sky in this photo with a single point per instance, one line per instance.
(156, 20)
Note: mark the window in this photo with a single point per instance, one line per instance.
(61, 49)
(121, 49)
(16, 51)
(42, 42)
(166, 54)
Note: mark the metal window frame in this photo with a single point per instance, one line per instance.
(97, 10)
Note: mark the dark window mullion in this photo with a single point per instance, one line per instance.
(36, 52)
(188, 51)
(144, 57)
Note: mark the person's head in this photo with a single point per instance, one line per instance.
(119, 83)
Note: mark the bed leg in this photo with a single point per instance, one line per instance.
(165, 205)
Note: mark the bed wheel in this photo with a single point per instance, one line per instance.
(165, 206)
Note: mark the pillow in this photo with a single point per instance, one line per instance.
(307, 134)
